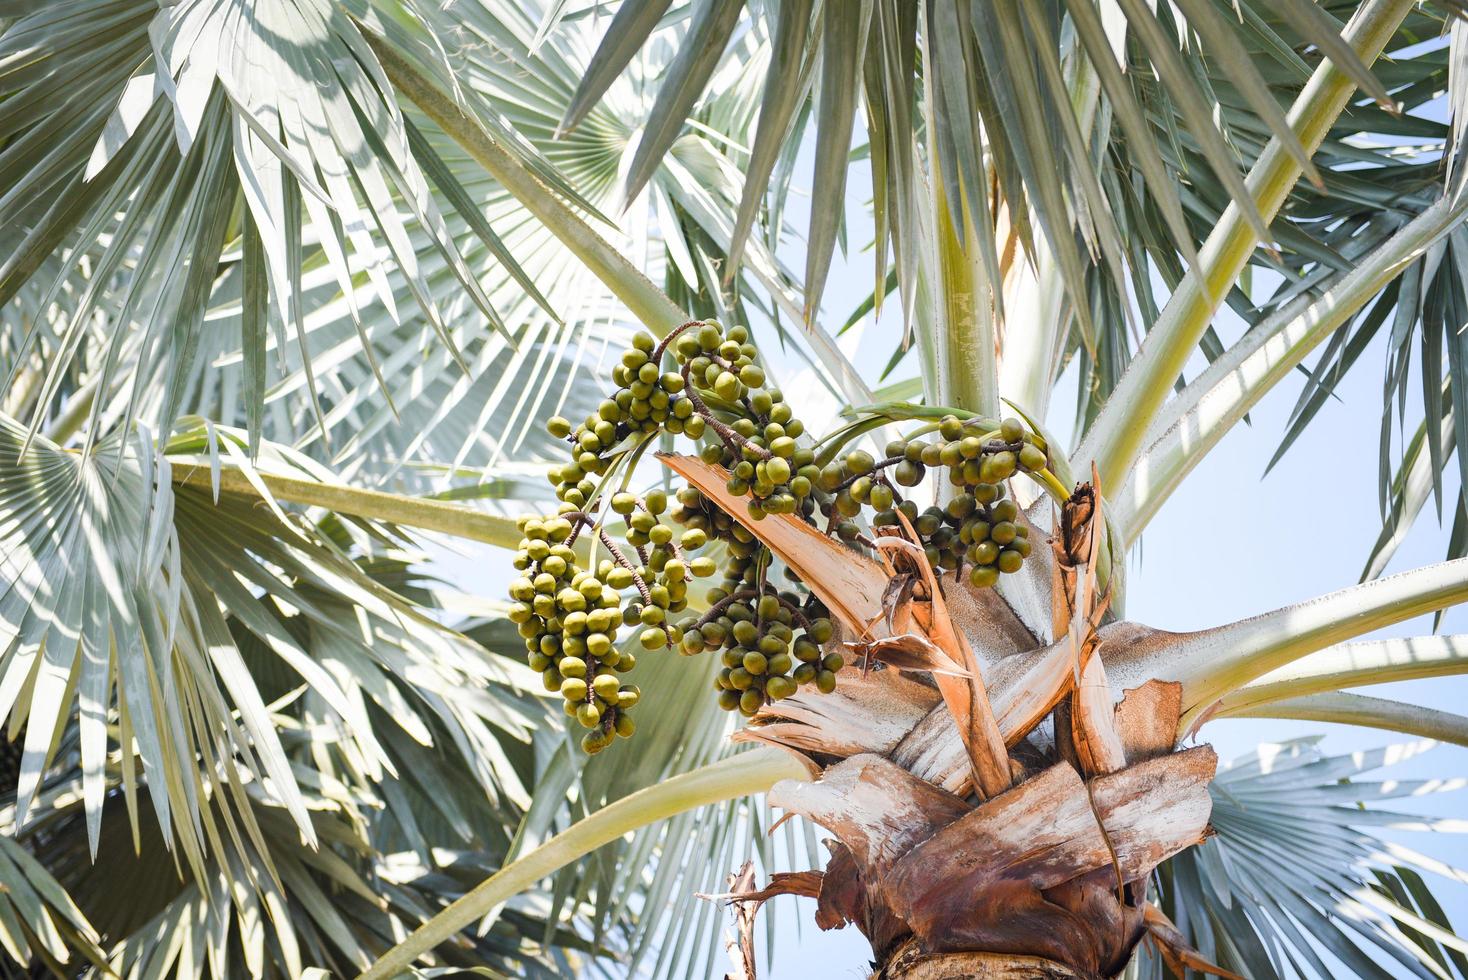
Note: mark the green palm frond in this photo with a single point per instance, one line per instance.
(39, 921)
(1240, 59)
(1417, 316)
(127, 593)
(358, 370)
(680, 230)
(333, 906)
(262, 134)
(1298, 881)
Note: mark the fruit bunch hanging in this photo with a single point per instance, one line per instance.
(977, 526)
(704, 382)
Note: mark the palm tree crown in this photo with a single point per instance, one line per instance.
(289, 289)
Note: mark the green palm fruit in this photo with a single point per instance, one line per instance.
(908, 473)
(779, 687)
(727, 387)
(984, 553)
(746, 633)
(594, 741)
(983, 576)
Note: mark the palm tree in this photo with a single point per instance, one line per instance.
(287, 284)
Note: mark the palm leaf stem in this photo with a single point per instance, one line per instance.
(429, 515)
(1366, 712)
(743, 774)
(1235, 382)
(1116, 439)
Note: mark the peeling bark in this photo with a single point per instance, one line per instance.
(878, 809)
(952, 695)
(868, 712)
(1032, 872)
(1078, 608)
(1146, 719)
(966, 697)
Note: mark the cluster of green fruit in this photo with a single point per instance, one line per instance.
(664, 571)
(569, 618)
(770, 641)
(758, 445)
(764, 658)
(647, 400)
(717, 390)
(977, 526)
(985, 536)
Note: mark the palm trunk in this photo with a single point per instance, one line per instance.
(911, 963)
(995, 813)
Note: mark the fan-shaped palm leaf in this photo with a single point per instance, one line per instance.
(1297, 882)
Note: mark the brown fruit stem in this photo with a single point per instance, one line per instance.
(580, 519)
(662, 347)
(728, 435)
